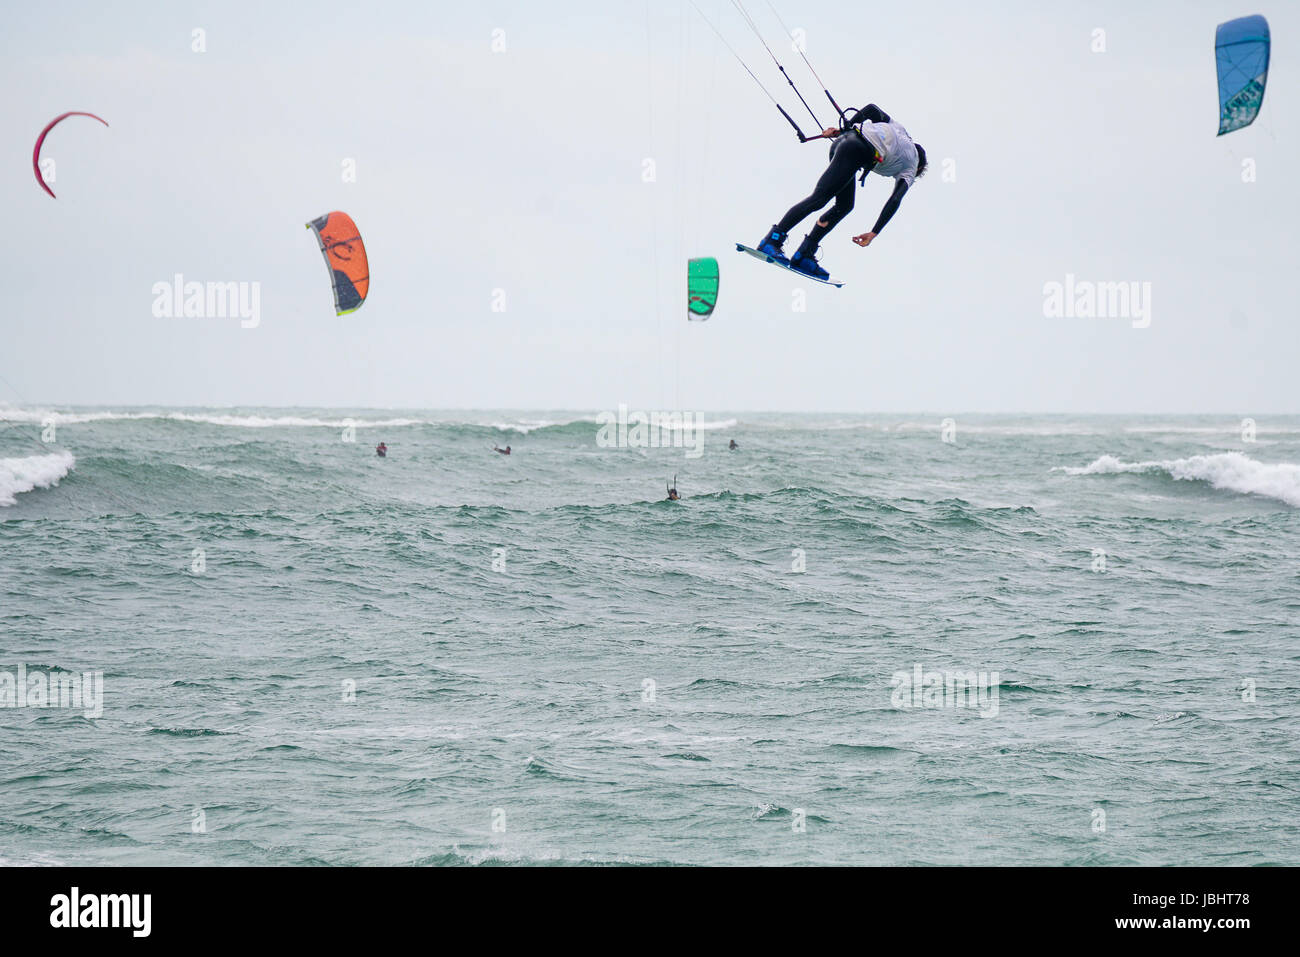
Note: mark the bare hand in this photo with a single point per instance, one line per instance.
(865, 239)
(830, 133)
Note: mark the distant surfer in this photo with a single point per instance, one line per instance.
(733, 446)
(672, 491)
(872, 143)
(505, 451)
(381, 450)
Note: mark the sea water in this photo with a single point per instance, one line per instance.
(858, 639)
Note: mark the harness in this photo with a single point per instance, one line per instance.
(857, 132)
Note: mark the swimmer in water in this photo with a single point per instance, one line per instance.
(505, 451)
(381, 450)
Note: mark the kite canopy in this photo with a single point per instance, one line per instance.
(701, 287)
(1241, 49)
(345, 256)
(40, 140)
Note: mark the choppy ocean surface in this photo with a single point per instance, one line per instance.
(311, 655)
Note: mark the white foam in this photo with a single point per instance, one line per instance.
(1231, 429)
(286, 421)
(1230, 471)
(936, 425)
(33, 472)
(525, 426)
(966, 428)
(698, 425)
(532, 425)
(41, 416)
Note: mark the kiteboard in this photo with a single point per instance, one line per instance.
(768, 259)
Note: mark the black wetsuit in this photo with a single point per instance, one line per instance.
(850, 153)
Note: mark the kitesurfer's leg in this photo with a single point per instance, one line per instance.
(844, 200)
(837, 177)
(805, 259)
(845, 162)
(865, 158)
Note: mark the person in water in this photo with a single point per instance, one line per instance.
(381, 450)
(872, 143)
(672, 491)
(733, 445)
(505, 451)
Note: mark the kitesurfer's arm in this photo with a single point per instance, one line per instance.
(869, 113)
(886, 214)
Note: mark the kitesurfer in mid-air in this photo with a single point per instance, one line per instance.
(872, 143)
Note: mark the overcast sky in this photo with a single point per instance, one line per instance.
(522, 171)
